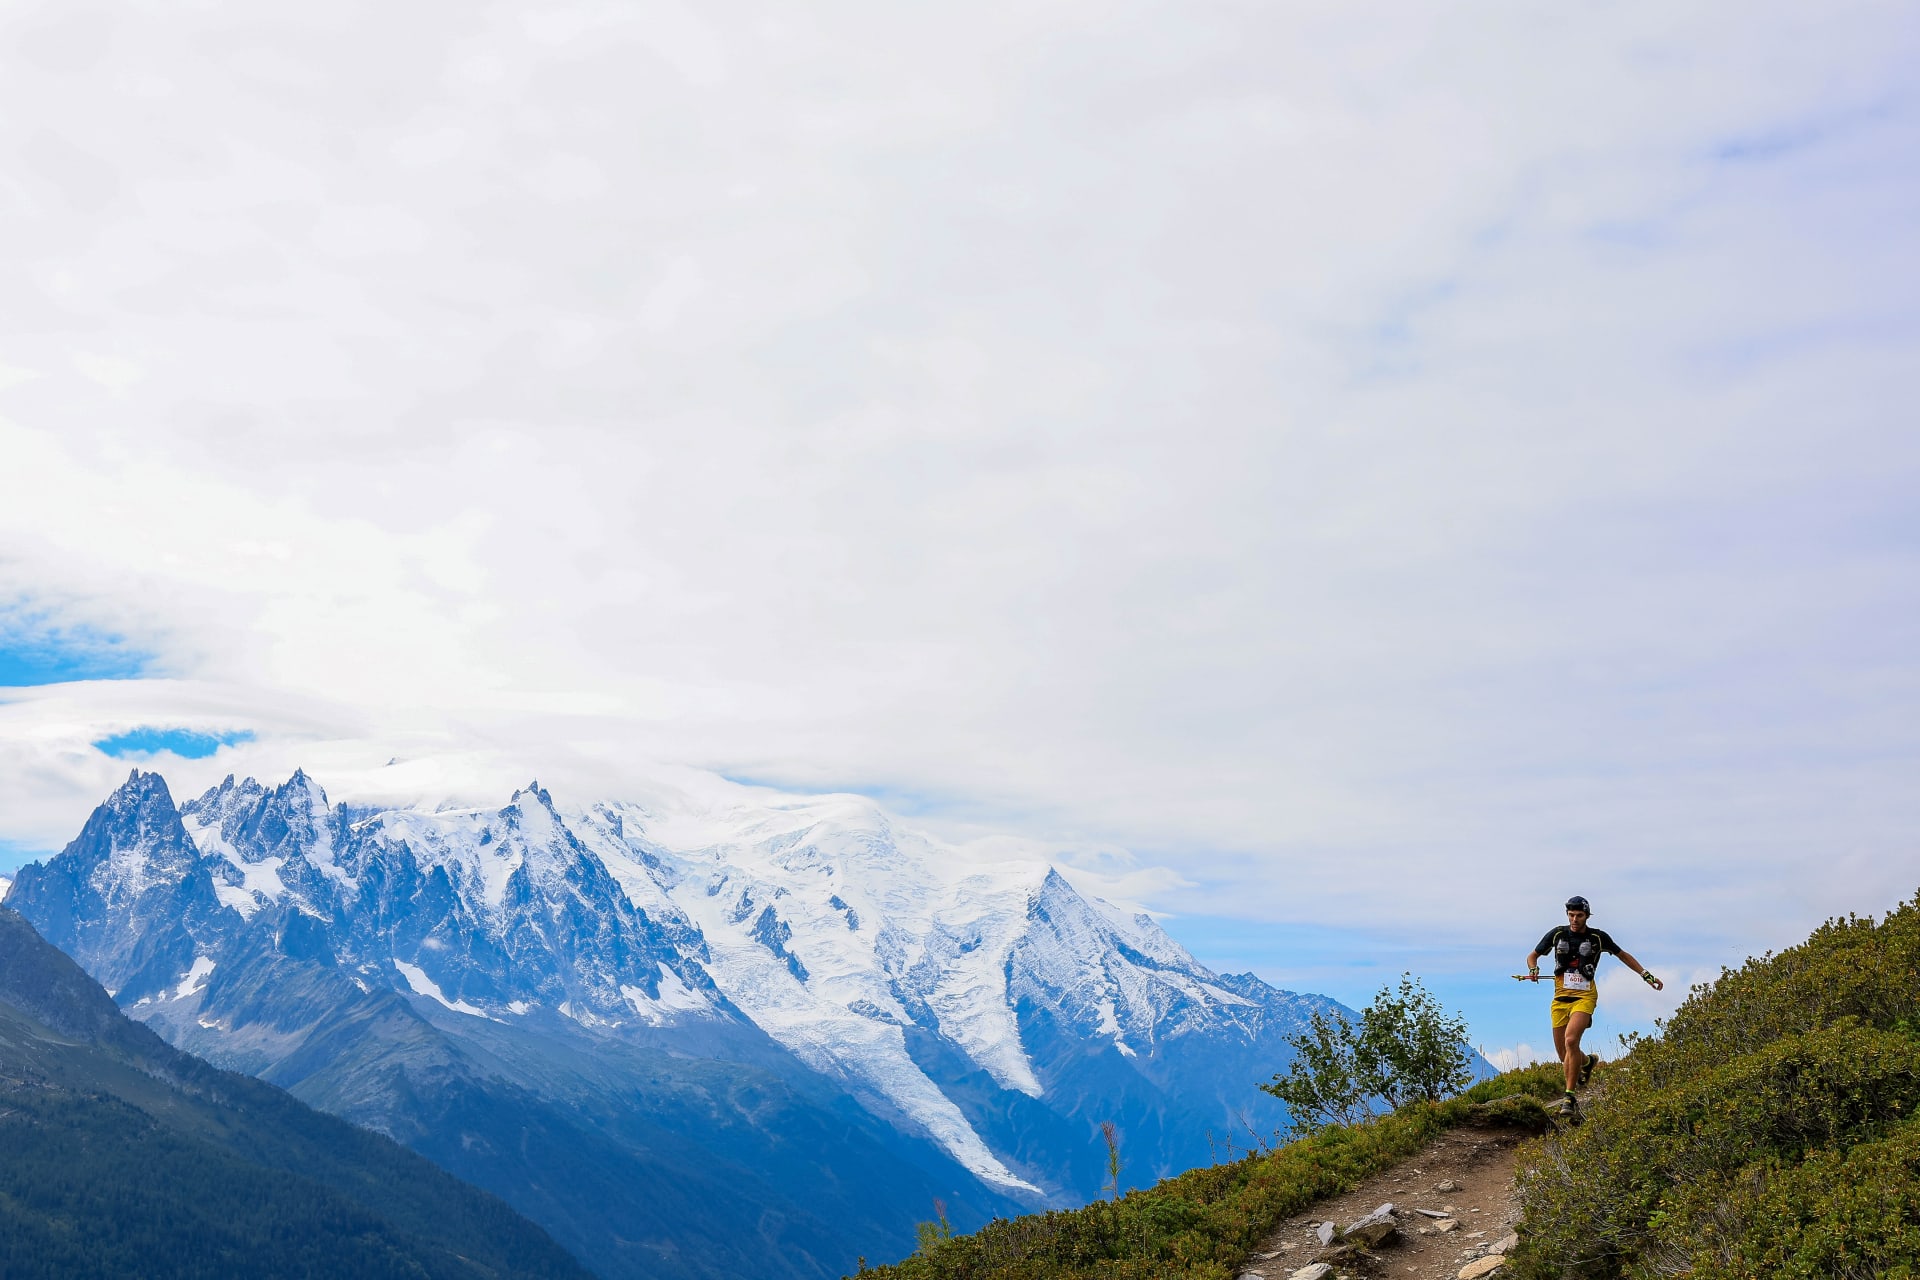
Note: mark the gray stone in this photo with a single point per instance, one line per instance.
(1431, 1213)
(1447, 1224)
(1325, 1231)
(1484, 1267)
(1384, 1211)
(1448, 1185)
(1506, 1243)
(1312, 1271)
(1373, 1230)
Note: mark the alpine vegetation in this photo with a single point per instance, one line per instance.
(696, 1032)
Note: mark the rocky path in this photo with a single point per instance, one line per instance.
(1453, 1215)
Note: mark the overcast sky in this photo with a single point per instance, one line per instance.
(1349, 471)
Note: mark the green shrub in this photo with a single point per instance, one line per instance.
(1542, 1080)
(1707, 1140)
(1832, 1215)
(1516, 1111)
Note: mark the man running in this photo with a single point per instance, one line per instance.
(1576, 952)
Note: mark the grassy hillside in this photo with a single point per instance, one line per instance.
(1771, 1131)
(1203, 1224)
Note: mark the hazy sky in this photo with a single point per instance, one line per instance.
(1355, 472)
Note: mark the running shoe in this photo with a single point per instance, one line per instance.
(1586, 1068)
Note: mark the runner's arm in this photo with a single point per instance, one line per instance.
(1540, 948)
(1641, 969)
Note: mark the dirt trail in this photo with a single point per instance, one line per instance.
(1476, 1164)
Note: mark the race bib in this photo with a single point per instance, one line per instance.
(1574, 982)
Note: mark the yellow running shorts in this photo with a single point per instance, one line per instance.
(1567, 1003)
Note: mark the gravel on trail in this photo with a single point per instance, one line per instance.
(1477, 1215)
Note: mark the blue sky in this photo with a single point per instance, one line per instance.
(151, 740)
(1271, 456)
(33, 654)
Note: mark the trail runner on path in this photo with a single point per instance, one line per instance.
(1576, 950)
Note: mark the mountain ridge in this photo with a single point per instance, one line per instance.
(979, 1017)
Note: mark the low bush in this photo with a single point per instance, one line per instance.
(1203, 1224)
(1856, 1214)
(1768, 1099)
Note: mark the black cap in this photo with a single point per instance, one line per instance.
(1578, 903)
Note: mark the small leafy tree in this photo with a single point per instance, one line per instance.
(1418, 1051)
(1322, 1087)
(1405, 1048)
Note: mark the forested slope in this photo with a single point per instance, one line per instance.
(123, 1156)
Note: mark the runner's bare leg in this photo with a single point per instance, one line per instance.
(1567, 1041)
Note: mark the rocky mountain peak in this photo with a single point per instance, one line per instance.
(130, 898)
(537, 793)
(143, 798)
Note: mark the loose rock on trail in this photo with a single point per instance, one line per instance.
(1460, 1233)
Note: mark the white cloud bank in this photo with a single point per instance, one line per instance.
(1379, 464)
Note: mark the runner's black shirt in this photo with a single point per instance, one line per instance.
(1579, 952)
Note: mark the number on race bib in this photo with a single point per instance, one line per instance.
(1575, 982)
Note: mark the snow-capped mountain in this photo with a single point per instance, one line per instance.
(985, 1010)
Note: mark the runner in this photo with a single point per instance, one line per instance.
(1576, 951)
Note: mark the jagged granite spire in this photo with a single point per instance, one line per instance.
(132, 898)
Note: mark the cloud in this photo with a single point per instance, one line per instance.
(1507, 1058)
(1375, 467)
